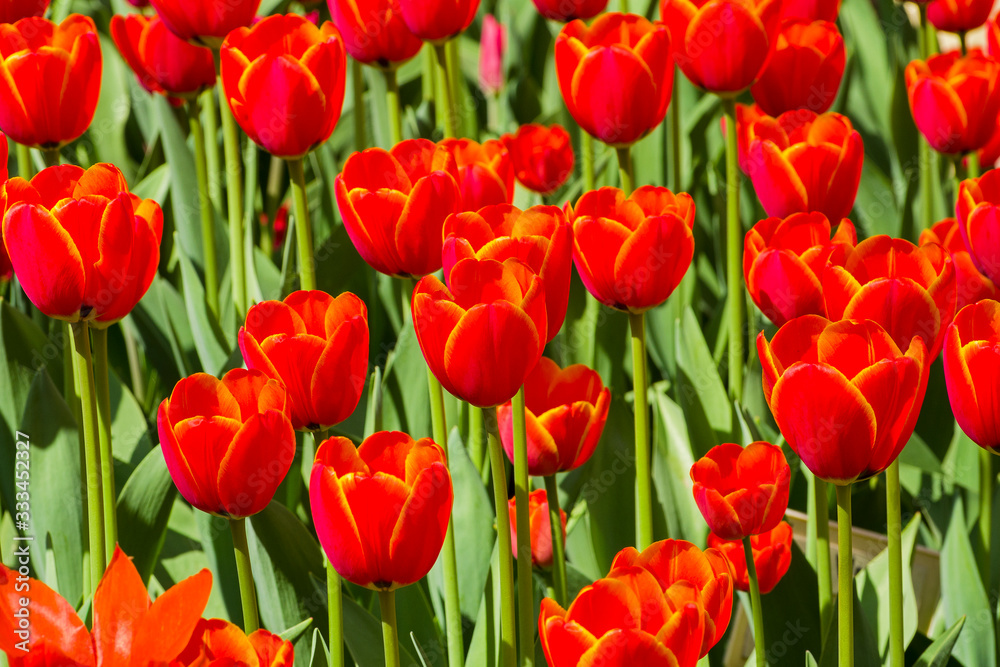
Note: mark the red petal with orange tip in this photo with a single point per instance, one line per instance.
(620, 648)
(163, 632)
(419, 533)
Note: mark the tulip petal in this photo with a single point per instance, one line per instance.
(121, 588)
(255, 463)
(167, 626)
(336, 526)
(419, 533)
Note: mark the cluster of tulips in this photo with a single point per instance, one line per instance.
(858, 323)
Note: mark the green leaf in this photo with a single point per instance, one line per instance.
(672, 461)
(363, 636)
(183, 184)
(211, 344)
(699, 390)
(405, 402)
(144, 510)
(791, 614)
(938, 654)
(293, 633)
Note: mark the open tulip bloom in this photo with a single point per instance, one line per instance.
(970, 285)
(772, 556)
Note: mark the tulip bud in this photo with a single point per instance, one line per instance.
(492, 47)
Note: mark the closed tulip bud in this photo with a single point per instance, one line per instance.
(542, 156)
(484, 172)
(374, 32)
(805, 70)
(438, 21)
(978, 210)
(83, 247)
(970, 285)
(616, 76)
(492, 47)
(772, 556)
(162, 62)
(541, 528)
(565, 11)
(219, 642)
(206, 22)
(972, 371)
(958, 15)
(381, 510)
(810, 10)
(12, 11)
(228, 443)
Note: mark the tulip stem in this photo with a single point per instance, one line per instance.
(508, 648)
(985, 512)
(894, 528)
(972, 167)
(84, 375)
(476, 437)
(587, 148)
(212, 160)
(390, 636)
(303, 226)
(626, 169)
(101, 381)
(360, 111)
(25, 168)
(450, 112)
(558, 546)
(924, 154)
(248, 594)
(758, 612)
(674, 138)
(845, 577)
(335, 610)
(525, 581)
(822, 503)
(51, 157)
(644, 495)
(205, 206)
(234, 194)
(392, 100)
(734, 252)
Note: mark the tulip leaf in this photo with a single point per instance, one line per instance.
(363, 636)
(810, 660)
(107, 130)
(699, 390)
(210, 343)
(672, 461)
(405, 402)
(183, 184)
(865, 644)
(320, 654)
(143, 512)
(216, 541)
(791, 614)
(293, 633)
(938, 654)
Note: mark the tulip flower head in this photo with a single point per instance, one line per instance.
(632, 252)
(284, 80)
(51, 80)
(616, 76)
(219, 642)
(541, 528)
(805, 71)
(374, 32)
(484, 172)
(438, 21)
(784, 260)
(970, 285)
(959, 16)
(843, 394)
(316, 345)
(810, 10)
(972, 371)
(565, 411)
(565, 11)
(6, 268)
(228, 443)
(542, 156)
(381, 510)
(492, 47)
(83, 247)
(772, 556)
(978, 212)
(206, 22)
(12, 11)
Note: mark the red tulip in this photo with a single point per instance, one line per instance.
(972, 371)
(50, 79)
(541, 528)
(632, 252)
(126, 624)
(784, 260)
(6, 268)
(565, 410)
(565, 11)
(978, 209)
(989, 155)
(217, 642)
(540, 237)
(955, 99)
(772, 556)
(747, 116)
(971, 285)
(381, 510)
(805, 70)
(374, 32)
(394, 205)
(616, 76)
(843, 394)
(82, 246)
(909, 291)
(542, 156)
(438, 20)
(993, 36)
(163, 62)
(228, 443)
(958, 15)
(483, 172)
(492, 47)
(206, 22)
(810, 10)
(802, 162)
(742, 491)
(722, 46)
(12, 11)
(483, 336)
(317, 346)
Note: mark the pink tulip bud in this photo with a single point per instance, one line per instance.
(492, 45)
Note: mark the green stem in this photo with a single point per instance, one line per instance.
(248, 594)
(626, 169)
(450, 112)
(390, 636)
(134, 363)
(734, 252)
(985, 512)
(894, 528)
(507, 614)
(428, 80)
(234, 194)
(823, 556)
(924, 152)
(25, 168)
(51, 157)
(84, 375)
(845, 577)
(210, 119)
(476, 437)
(272, 201)
(303, 226)
(758, 611)
(360, 111)
(587, 148)
(624, 6)
(335, 607)
(101, 380)
(962, 42)
(205, 207)
(674, 137)
(644, 493)
(392, 100)
(525, 582)
(558, 546)
(972, 167)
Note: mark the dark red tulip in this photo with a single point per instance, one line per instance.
(542, 156)
(772, 556)
(971, 285)
(163, 62)
(972, 372)
(810, 10)
(438, 20)
(374, 31)
(12, 11)
(540, 524)
(805, 70)
(206, 21)
(958, 16)
(565, 11)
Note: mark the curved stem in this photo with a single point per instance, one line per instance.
(823, 572)
(101, 380)
(626, 169)
(205, 207)
(248, 594)
(449, 111)
(84, 375)
(758, 612)
(234, 194)
(558, 545)
(525, 581)
(508, 647)
(392, 100)
(360, 111)
(390, 636)
(303, 226)
(734, 251)
(643, 483)
(894, 528)
(845, 577)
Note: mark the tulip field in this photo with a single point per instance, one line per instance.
(499, 333)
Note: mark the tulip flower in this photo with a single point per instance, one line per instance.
(539, 237)
(801, 162)
(958, 16)
(566, 410)
(971, 285)
(805, 71)
(162, 62)
(784, 260)
(722, 45)
(632, 252)
(381, 510)
(566, 11)
(993, 36)
(541, 528)
(616, 76)
(955, 99)
(484, 334)
(394, 205)
(971, 363)
(542, 156)
(978, 209)
(316, 345)
(374, 32)
(83, 247)
(437, 21)
(742, 491)
(989, 155)
(228, 443)
(12, 11)
(219, 642)
(206, 22)
(126, 623)
(772, 556)
(843, 394)
(483, 172)
(909, 291)
(51, 79)
(747, 116)
(289, 54)
(810, 10)
(6, 268)
(492, 47)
